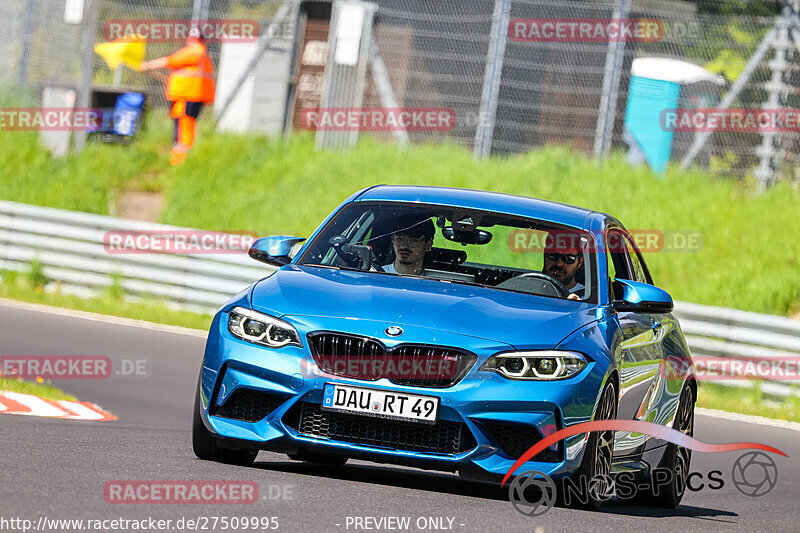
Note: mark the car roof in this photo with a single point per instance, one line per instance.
(568, 215)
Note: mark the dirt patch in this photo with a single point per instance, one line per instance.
(796, 316)
(139, 205)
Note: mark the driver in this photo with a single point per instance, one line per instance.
(563, 259)
(410, 244)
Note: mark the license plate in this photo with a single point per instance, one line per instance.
(380, 403)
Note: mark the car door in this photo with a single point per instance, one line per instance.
(640, 360)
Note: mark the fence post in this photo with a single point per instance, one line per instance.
(611, 77)
(491, 79)
(200, 10)
(87, 67)
(264, 41)
(27, 36)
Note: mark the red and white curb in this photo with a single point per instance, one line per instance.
(15, 403)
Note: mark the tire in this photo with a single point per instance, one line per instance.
(598, 454)
(319, 458)
(205, 446)
(203, 443)
(676, 458)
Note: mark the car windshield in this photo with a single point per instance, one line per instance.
(459, 245)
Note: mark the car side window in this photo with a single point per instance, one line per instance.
(618, 265)
(638, 271)
(618, 262)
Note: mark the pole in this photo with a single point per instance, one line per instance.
(200, 10)
(87, 62)
(27, 36)
(264, 41)
(384, 86)
(491, 79)
(610, 91)
(118, 75)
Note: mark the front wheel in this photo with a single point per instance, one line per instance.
(677, 459)
(205, 446)
(595, 467)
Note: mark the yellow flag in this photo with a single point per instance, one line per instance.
(129, 50)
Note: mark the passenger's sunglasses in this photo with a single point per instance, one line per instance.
(567, 259)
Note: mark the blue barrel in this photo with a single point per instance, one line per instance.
(127, 113)
(647, 98)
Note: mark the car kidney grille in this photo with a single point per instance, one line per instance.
(443, 437)
(248, 405)
(516, 439)
(364, 358)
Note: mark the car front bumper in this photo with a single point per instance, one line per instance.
(485, 420)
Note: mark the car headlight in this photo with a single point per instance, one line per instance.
(262, 329)
(536, 365)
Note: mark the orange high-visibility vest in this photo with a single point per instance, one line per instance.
(192, 78)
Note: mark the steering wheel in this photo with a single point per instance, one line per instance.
(354, 255)
(562, 289)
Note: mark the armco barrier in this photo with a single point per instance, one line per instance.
(69, 246)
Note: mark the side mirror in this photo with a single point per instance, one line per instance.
(274, 250)
(638, 296)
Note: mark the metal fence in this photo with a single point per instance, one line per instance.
(508, 95)
(70, 248)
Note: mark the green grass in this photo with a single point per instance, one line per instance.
(750, 256)
(13, 287)
(747, 401)
(42, 390)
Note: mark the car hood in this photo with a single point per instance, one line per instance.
(521, 320)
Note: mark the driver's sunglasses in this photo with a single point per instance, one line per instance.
(567, 259)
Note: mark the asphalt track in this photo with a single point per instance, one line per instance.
(57, 468)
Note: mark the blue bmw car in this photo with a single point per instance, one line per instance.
(450, 329)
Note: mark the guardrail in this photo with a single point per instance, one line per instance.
(70, 247)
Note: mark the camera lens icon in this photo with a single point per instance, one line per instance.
(754, 474)
(532, 493)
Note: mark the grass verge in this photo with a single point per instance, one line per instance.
(41, 389)
(236, 182)
(15, 288)
(748, 402)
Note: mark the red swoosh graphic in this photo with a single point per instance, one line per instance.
(636, 426)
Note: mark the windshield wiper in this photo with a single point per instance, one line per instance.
(335, 267)
(464, 282)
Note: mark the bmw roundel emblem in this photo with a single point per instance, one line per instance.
(394, 331)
